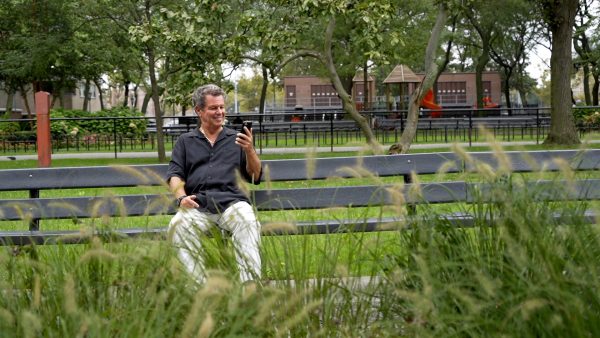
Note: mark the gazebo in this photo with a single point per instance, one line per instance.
(361, 92)
(407, 81)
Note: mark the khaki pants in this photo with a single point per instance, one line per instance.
(239, 219)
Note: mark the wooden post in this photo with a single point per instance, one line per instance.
(44, 141)
(388, 97)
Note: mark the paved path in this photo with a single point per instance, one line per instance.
(141, 154)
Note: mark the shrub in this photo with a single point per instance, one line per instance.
(98, 122)
(587, 117)
(592, 120)
(8, 128)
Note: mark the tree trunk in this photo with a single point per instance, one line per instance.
(432, 71)
(10, 95)
(135, 96)
(126, 94)
(482, 61)
(86, 96)
(506, 89)
(595, 88)
(366, 87)
(562, 125)
(586, 85)
(25, 100)
(347, 102)
(57, 94)
(147, 98)
(160, 143)
(263, 92)
(100, 96)
(523, 96)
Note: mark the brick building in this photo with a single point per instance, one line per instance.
(70, 100)
(451, 90)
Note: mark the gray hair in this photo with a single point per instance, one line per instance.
(199, 96)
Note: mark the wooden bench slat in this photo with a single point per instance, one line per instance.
(82, 177)
(541, 160)
(287, 199)
(289, 170)
(86, 207)
(302, 228)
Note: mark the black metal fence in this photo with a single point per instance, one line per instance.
(304, 128)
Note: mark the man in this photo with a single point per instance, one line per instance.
(202, 175)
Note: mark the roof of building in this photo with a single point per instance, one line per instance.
(359, 77)
(401, 74)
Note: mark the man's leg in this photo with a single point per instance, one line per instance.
(241, 221)
(186, 227)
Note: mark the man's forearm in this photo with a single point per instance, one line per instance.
(253, 165)
(176, 185)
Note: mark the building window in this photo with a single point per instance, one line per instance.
(324, 96)
(359, 89)
(92, 94)
(290, 96)
(451, 93)
(487, 88)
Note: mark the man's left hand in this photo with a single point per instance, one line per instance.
(245, 140)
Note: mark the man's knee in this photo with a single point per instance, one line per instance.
(244, 212)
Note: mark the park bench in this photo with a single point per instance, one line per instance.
(33, 209)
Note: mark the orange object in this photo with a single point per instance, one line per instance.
(428, 103)
(487, 103)
(44, 141)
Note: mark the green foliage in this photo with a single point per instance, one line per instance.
(592, 120)
(99, 123)
(8, 127)
(249, 92)
(587, 117)
(516, 273)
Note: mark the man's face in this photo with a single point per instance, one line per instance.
(213, 113)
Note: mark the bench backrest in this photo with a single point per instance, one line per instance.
(38, 179)
(297, 169)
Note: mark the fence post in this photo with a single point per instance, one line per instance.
(401, 122)
(537, 123)
(470, 126)
(44, 142)
(115, 134)
(331, 128)
(260, 135)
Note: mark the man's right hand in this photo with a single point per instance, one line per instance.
(189, 202)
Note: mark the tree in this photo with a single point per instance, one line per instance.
(482, 15)
(587, 50)
(265, 45)
(202, 40)
(353, 34)
(10, 78)
(559, 16)
(35, 36)
(509, 50)
(144, 20)
(432, 71)
(249, 89)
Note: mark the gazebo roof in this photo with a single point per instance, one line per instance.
(401, 74)
(359, 77)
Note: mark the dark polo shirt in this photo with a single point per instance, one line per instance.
(209, 172)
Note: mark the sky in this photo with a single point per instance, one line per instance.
(539, 62)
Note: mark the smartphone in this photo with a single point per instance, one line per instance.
(247, 124)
